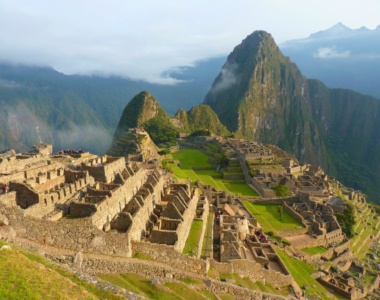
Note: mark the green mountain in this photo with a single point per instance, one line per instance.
(144, 111)
(200, 117)
(261, 95)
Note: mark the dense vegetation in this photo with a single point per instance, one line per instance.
(161, 131)
(347, 220)
(201, 119)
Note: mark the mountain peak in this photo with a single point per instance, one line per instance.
(140, 109)
(336, 30)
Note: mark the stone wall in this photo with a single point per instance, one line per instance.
(107, 209)
(142, 215)
(240, 293)
(168, 255)
(17, 163)
(264, 192)
(253, 270)
(343, 247)
(75, 234)
(204, 217)
(294, 232)
(8, 199)
(295, 215)
(25, 195)
(104, 168)
(188, 217)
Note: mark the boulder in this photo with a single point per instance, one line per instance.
(5, 247)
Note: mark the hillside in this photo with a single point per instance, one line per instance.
(200, 117)
(261, 95)
(144, 111)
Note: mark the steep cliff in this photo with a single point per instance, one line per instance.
(260, 94)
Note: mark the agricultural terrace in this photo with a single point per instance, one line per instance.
(194, 165)
(301, 273)
(168, 291)
(314, 250)
(269, 217)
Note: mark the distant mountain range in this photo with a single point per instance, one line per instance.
(42, 105)
(340, 57)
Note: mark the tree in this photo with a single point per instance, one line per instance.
(281, 191)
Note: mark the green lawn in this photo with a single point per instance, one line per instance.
(192, 241)
(301, 273)
(314, 250)
(269, 217)
(191, 159)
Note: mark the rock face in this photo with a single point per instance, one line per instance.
(140, 109)
(260, 94)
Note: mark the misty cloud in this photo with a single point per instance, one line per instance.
(227, 78)
(25, 129)
(86, 137)
(331, 52)
(9, 84)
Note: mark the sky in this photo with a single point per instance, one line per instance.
(142, 39)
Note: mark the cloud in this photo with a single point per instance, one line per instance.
(142, 39)
(8, 84)
(331, 52)
(87, 137)
(227, 78)
(24, 128)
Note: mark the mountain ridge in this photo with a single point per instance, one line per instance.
(276, 104)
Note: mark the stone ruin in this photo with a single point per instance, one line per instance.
(318, 218)
(239, 234)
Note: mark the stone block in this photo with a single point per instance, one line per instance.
(7, 233)
(78, 259)
(3, 220)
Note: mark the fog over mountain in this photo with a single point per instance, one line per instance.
(340, 57)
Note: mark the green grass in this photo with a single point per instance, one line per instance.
(269, 217)
(256, 286)
(226, 297)
(239, 188)
(192, 241)
(207, 240)
(301, 273)
(314, 250)
(29, 276)
(141, 256)
(183, 291)
(140, 285)
(190, 160)
(168, 291)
